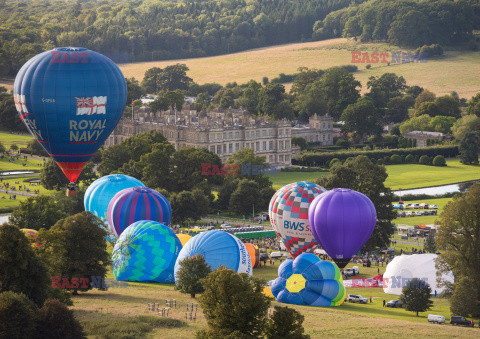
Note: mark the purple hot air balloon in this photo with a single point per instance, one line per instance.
(342, 220)
(134, 204)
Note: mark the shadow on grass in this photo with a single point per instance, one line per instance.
(109, 325)
(369, 310)
(111, 296)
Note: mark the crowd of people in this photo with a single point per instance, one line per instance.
(21, 187)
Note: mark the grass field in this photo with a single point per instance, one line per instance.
(119, 311)
(413, 176)
(30, 164)
(399, 176)
(455, 71)
(20, 140)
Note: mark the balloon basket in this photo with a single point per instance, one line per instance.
(71, 192)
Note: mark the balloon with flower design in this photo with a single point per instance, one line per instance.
(307, 280)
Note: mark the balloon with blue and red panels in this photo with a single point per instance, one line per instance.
(307, 280)
(134, 204)
(342, 220)
(70, 99)
(288, 212)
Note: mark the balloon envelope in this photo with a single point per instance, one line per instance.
(146, 251)
(32, 235)
(134, 204)
(101, 191)
(309, 281)
(289, 216)
(342, 220)
(254, 253)
(70, 99)
(219, 249)
(184, 238)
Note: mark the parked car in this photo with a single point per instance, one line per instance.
(436, 319)
(356, 270)
(409, 213)
(456, 320)
(394, 304)
(349, 272)
(354, 298)
(401, 214)
(264, 257)
(433, 206)
(423, 205)
(225, 226)
(419, 213)
(416, 206)
(275, 255)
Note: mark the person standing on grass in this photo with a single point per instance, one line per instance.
(370, 300)
(383, 302)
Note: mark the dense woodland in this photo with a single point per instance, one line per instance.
(146, 30)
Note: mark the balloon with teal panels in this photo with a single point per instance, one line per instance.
(307, 280)
(146, 251)
(101, 191)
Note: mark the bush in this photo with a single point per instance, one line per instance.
(17, 317)
(379, 161)
(439, 160)
(333, 162)
(409, 159)
(234, 302)
(191, 271)
(395, 159)
(323, 158)
(425, 160)
(55, 320)
(285, 323)
(342, 143)
(386, 160)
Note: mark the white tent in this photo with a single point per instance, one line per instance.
(403, 268)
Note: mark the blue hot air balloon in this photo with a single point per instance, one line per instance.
(101, 191)
(134, 204)
(146, 251)
(219, 249)
(342, 220)
(70, 99)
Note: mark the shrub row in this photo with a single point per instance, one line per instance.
(324, 158)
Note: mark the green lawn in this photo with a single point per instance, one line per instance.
(20, 140)
(424, 219)
(31, 164)
(7, 204)
(413, 176)
(284, 178)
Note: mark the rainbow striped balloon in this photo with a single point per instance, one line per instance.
(134, 204)
(146, 251)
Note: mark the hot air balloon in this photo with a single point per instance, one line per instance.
(342, 220)
(289, 216)
(134, 204)
(219, 249)
(146, 251)
(309, 281)
(70, 99)
(101, 191)
(254, 253)
(184, 238)
(32, 235)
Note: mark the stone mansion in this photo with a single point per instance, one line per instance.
(225, 131)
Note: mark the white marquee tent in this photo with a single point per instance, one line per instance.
(406, 267)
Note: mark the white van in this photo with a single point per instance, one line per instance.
(436, 319)
(275, 255)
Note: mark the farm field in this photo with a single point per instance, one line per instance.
(455, 71)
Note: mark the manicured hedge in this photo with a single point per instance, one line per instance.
(324, 158)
